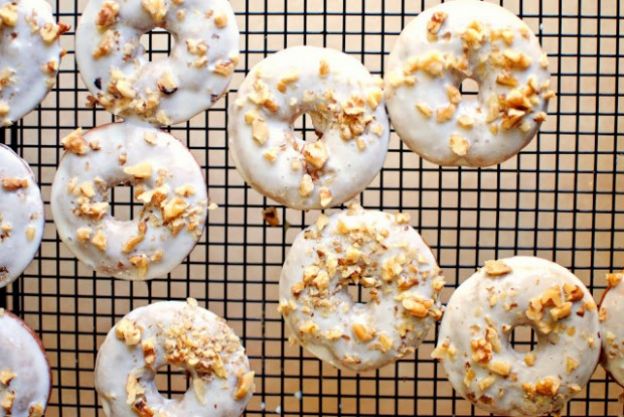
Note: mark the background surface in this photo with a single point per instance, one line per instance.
(561, 199)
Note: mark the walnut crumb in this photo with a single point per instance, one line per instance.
(14, 184)
(496, 268)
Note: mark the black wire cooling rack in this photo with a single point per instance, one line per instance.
(562, 198)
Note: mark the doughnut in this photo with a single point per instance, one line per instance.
(345, 104)
(168, 186)
(393, 267)
(436, 52)
(24, 370)
(474, 339)
(612, 328)
(115, 69)
(21, 216)
(182, 335)
(30, 54)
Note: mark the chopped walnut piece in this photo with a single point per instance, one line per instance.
(444, 114)
(453, 94)
(220, 20)
(106, 44)
(134, 241)
(363, 332)
(548, 386)
(50, 32)
(516, 60)
(323, 68)
(424, 109)
(224, 68)
(173, 209)
(75, 143)
(465, 122)
(128, 332)
(529, 359)
(260, 131)
(8, 15)
(501, 368)
(108, 14)
(166, 83)
(417, 307)
(561, 312)
(459, 145)
(571, 364)
(271, 216)
(140, 171)
(7, 401)
(99, 240)
(244, 385)
(149, 351)
(486, 382)
(432, 64)
(316, 154)
(14, 184)
(614, 279)
(436, 21)
(481, 350)
(306, 186)
(157, 9)
(36, 410)
(474, 35)
(288, 79)
(83, 234)
(6, 376)
(496, 268)
(325, 196)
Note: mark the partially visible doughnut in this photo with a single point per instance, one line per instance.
(388, 259)
(169, 186)
(474, 341)
(181, 335)
(346, 106)
(197, 72)
(21, 216)
(30, 55)
(439, 49)
(24, 370)
(612, 327)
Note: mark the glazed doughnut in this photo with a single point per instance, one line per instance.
(612, 327)
(24, 370)
(181, 335)
(30, 54)
(390, 262)
(346, 107)
(169, 186)
(21, 216)
(439, 49)
(197, 72)
(474, 336)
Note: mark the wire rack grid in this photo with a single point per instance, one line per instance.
(562, 198)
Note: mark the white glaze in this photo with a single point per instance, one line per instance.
(275, 165)
(405, 89)
(193, 71)
(28, 63)
(21, 354)
(21, 217)
(121, 358)
(612, 328)
(331, 312)
(172, 166)
(494, 305)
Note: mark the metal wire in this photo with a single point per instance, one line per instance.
(562, 198)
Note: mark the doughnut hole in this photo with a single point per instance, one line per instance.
(358, 294)
(172, 382)
(523, 339)
(469, 87)
(122, 204)
(305, 127)
(158, 44)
